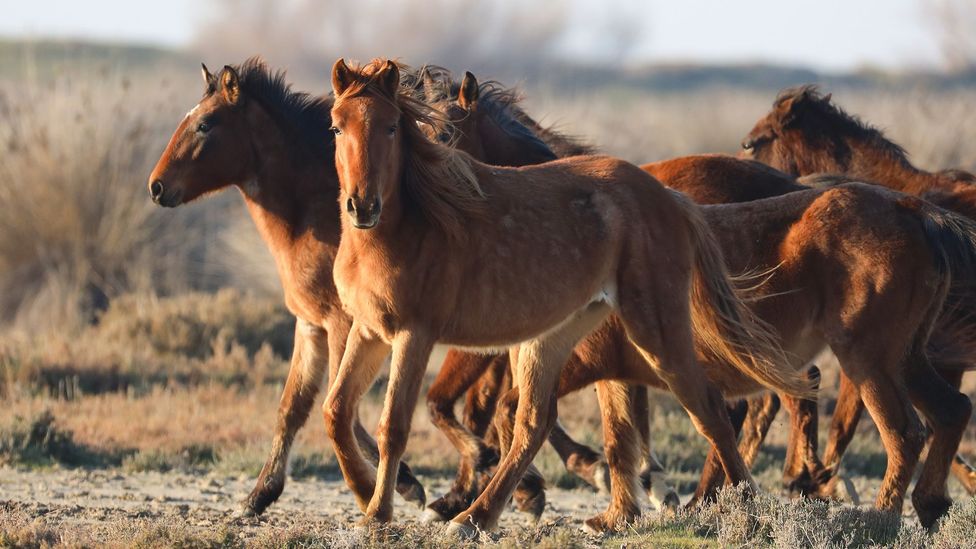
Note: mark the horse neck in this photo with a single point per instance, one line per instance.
(891, 171)
(293, 200)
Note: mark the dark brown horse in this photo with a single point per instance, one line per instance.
(725, 179)
(805, 133)
(429, 243)
(250, 131)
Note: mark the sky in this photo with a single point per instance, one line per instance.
(832, 35)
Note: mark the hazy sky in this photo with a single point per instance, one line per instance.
(826, 34)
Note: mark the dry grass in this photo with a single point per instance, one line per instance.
(117, 350)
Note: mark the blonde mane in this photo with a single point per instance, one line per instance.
(437, 179)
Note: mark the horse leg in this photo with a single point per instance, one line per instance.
(947, 412)
(803, 472)
(305, 376)
(459, 371)
(411, 352)
(653, 478)
(876, 373)
(536, 372)
(363, 357)
(621, 444)
(408, 486)
(843, 425)
(480, 404)
(961, 469)
(579, 459)
(713, 475)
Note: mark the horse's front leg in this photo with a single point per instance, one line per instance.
(411, 351)
(308, 362)
(363, 357)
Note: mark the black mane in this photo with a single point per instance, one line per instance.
(834, 121)
(310, 116)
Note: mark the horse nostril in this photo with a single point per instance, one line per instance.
(156, 189)
(376, 205)
(350, 207)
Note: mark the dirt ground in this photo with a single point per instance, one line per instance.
(90, 500)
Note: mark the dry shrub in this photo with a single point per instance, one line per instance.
(77, 227)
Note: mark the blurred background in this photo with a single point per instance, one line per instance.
(110, 306)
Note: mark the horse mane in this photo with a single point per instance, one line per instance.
(306, 115)
(437, 180)
(503, 105)
(832, 122)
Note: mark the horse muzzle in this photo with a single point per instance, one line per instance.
(365, 213)
(168, 198)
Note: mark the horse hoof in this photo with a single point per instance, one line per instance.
(245, 511)
(670, 503)
(534, 506)
(930, 508)
(842, 489)
(462, 531)
(430, 516)
(414, 493)
(601, 476)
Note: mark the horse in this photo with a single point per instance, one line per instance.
(486, 122)
(721, 178)
(804, 134)
(439, 248)
(252, 132)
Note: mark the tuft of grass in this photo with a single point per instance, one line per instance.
(37, 441)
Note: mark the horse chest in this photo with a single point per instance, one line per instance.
(310, 292)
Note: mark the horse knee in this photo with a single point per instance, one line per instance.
(336, 416)
(439, 409)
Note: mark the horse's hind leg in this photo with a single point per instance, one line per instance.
(653, 478)
(803, 472)
(843, 425)
(458, 373)
(305, 376)
(621, 445)
(876, 374)
(537, 378)
(579, 459)
(961, 469)
(947, 412)
(713, 475)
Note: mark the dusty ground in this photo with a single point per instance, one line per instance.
(92, 499)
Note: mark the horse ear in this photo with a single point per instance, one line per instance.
(469, 90)
(390, 78)
(208, 79)
(230, 85)
(431, 91)
(342, 77)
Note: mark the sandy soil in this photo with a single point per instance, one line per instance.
(90, 500)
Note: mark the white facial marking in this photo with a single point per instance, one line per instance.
(191, 111)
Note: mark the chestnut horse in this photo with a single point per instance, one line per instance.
(487, 123)
(805, 133)
(725, 179)
(252, 132)
(439, 248)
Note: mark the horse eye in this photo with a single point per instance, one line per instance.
(335, 130)
(443, 137)
(748, 144)
(203, 127)
(392, 130)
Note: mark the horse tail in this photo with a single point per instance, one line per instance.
(725, 329)
(952, 239)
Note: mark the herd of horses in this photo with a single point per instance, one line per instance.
(409, 209)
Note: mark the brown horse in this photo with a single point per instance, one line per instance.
(429, 243)
(725, 179)
(252, 132)
(487, 123)
(805, 133)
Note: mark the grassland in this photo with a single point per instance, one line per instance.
(137, 342)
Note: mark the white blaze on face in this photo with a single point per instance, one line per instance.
(191, 111)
